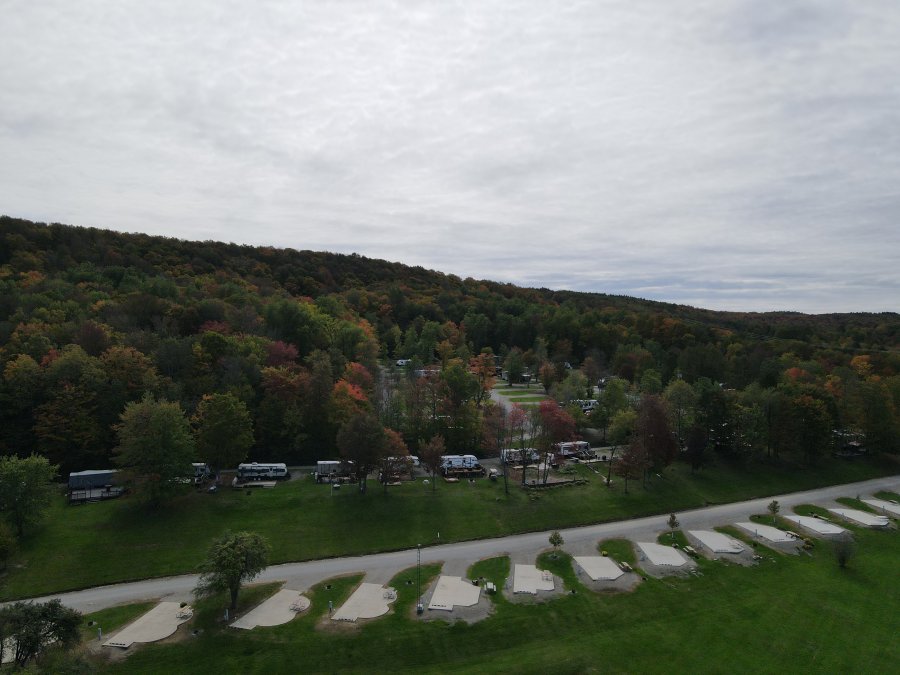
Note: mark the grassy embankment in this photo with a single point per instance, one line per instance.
(798, 613)
(526, 395)
(119, 540)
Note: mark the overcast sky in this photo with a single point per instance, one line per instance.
(729, 154)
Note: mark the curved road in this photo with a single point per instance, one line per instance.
(381, 567)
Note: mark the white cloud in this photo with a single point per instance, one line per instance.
(728, 154)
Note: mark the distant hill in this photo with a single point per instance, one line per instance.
(91, 319)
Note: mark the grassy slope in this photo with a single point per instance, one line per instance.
(80, 546)
(797, 613)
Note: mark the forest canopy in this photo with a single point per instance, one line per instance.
(92, 321)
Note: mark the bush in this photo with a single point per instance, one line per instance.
(844, 551)
(7, 544)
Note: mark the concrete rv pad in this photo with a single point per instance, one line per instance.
(889, 507)
(529, 579)
(717, 542)
(367, 602)
(767, 532)
(450, 592)
(862, 517)
(816, 525)
(599, 567)
(662, 555)
(160, 622)
(279, 609)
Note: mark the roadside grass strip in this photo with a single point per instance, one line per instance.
(718, 542)
(599, 568)
(862, 518)
(885, 506)
(453, 592)
(276, 610)
(157, 624)
(817, 525)
(367, 602)
(665, 556)
(120, 540)
(767, 532)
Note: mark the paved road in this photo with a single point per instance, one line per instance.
(381, 567)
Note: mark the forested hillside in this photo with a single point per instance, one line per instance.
(92, 320)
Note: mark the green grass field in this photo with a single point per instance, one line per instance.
(794, 614)
(119, 540)
(528, 398)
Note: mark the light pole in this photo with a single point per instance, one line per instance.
(419, 608)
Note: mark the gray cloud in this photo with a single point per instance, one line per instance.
(723, 153)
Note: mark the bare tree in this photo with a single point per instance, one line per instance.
(432, 452)
(653, 431)
(496, 436)
(632, 463)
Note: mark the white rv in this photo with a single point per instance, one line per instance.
(201, 472)
(459, 462)
(573, 449)
(463, 465)
(263, 471)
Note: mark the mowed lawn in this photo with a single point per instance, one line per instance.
(793, 614)
(120, 540)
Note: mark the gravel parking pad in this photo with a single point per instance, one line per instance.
(817, 525)
(160, 622)
(367, 602)
(862, 517)
(887, 507)
(279, 609)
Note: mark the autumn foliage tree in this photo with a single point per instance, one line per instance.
(484, 371)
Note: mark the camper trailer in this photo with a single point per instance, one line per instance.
(202, 472)
(461, 466)
(579, 449)
(515, 455)
(263, 471)
(334, 471)
(95, 478)
(93, 485)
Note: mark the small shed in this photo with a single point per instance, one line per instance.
(93, 478)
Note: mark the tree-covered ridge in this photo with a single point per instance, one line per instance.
(93, 320)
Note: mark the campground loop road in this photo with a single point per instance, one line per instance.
(381, 567)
